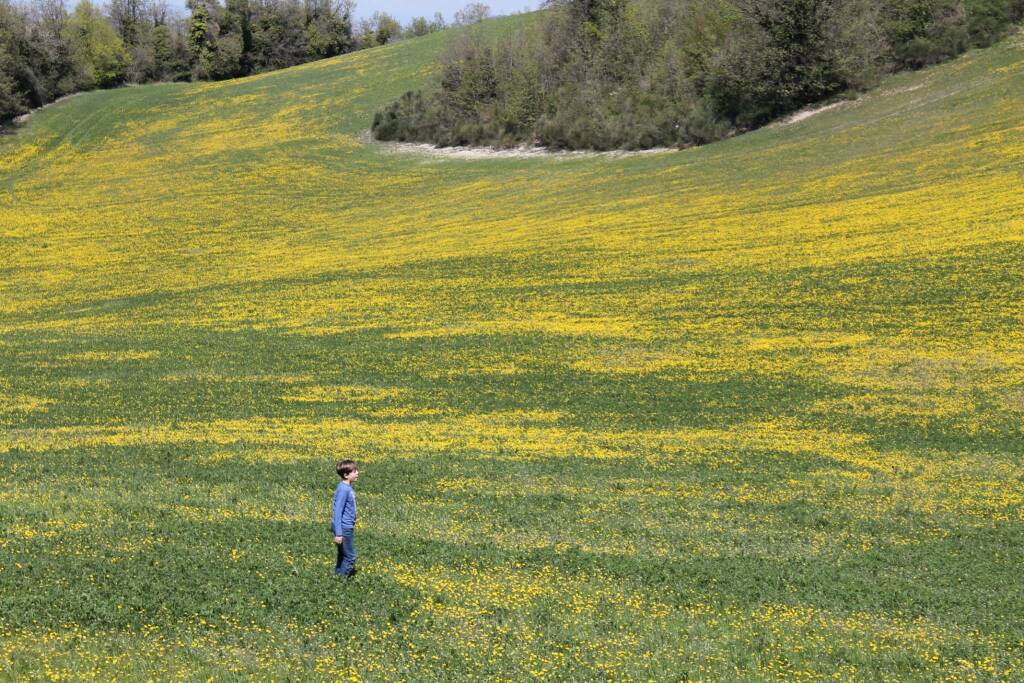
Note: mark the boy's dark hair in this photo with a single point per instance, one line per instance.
(346, 467)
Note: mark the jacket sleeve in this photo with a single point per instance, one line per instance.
(338, 507)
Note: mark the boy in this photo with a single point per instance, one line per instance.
(343, 518)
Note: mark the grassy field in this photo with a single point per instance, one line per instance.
(752, 411)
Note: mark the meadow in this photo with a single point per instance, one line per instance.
(749, 411)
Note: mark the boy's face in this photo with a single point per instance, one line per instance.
(353, 475)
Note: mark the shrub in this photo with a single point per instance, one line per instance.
(604, 74)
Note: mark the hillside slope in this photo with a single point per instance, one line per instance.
(745, 410)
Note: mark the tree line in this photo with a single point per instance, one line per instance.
(604, 74)
(47, 52)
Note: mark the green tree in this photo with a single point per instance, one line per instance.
(328, 28)
(387, 27)
(238, 21)
(379, 29)
(128, 19)
(279, 34)
(418, 26)
(50, 53)
(780, 57)
(97, 52)
(421, 26)
(226, 59)
(12, 100)
(202, 32)
(168, 62)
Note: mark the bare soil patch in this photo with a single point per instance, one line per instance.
(805, 114)
(521, 152)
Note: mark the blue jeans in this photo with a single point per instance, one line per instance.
(346, 553)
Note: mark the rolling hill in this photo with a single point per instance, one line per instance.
(746, 411)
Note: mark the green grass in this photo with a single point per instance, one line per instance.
(743, 412)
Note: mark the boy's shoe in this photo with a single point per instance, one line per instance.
(352, 573)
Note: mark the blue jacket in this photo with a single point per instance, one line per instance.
(344, 508)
